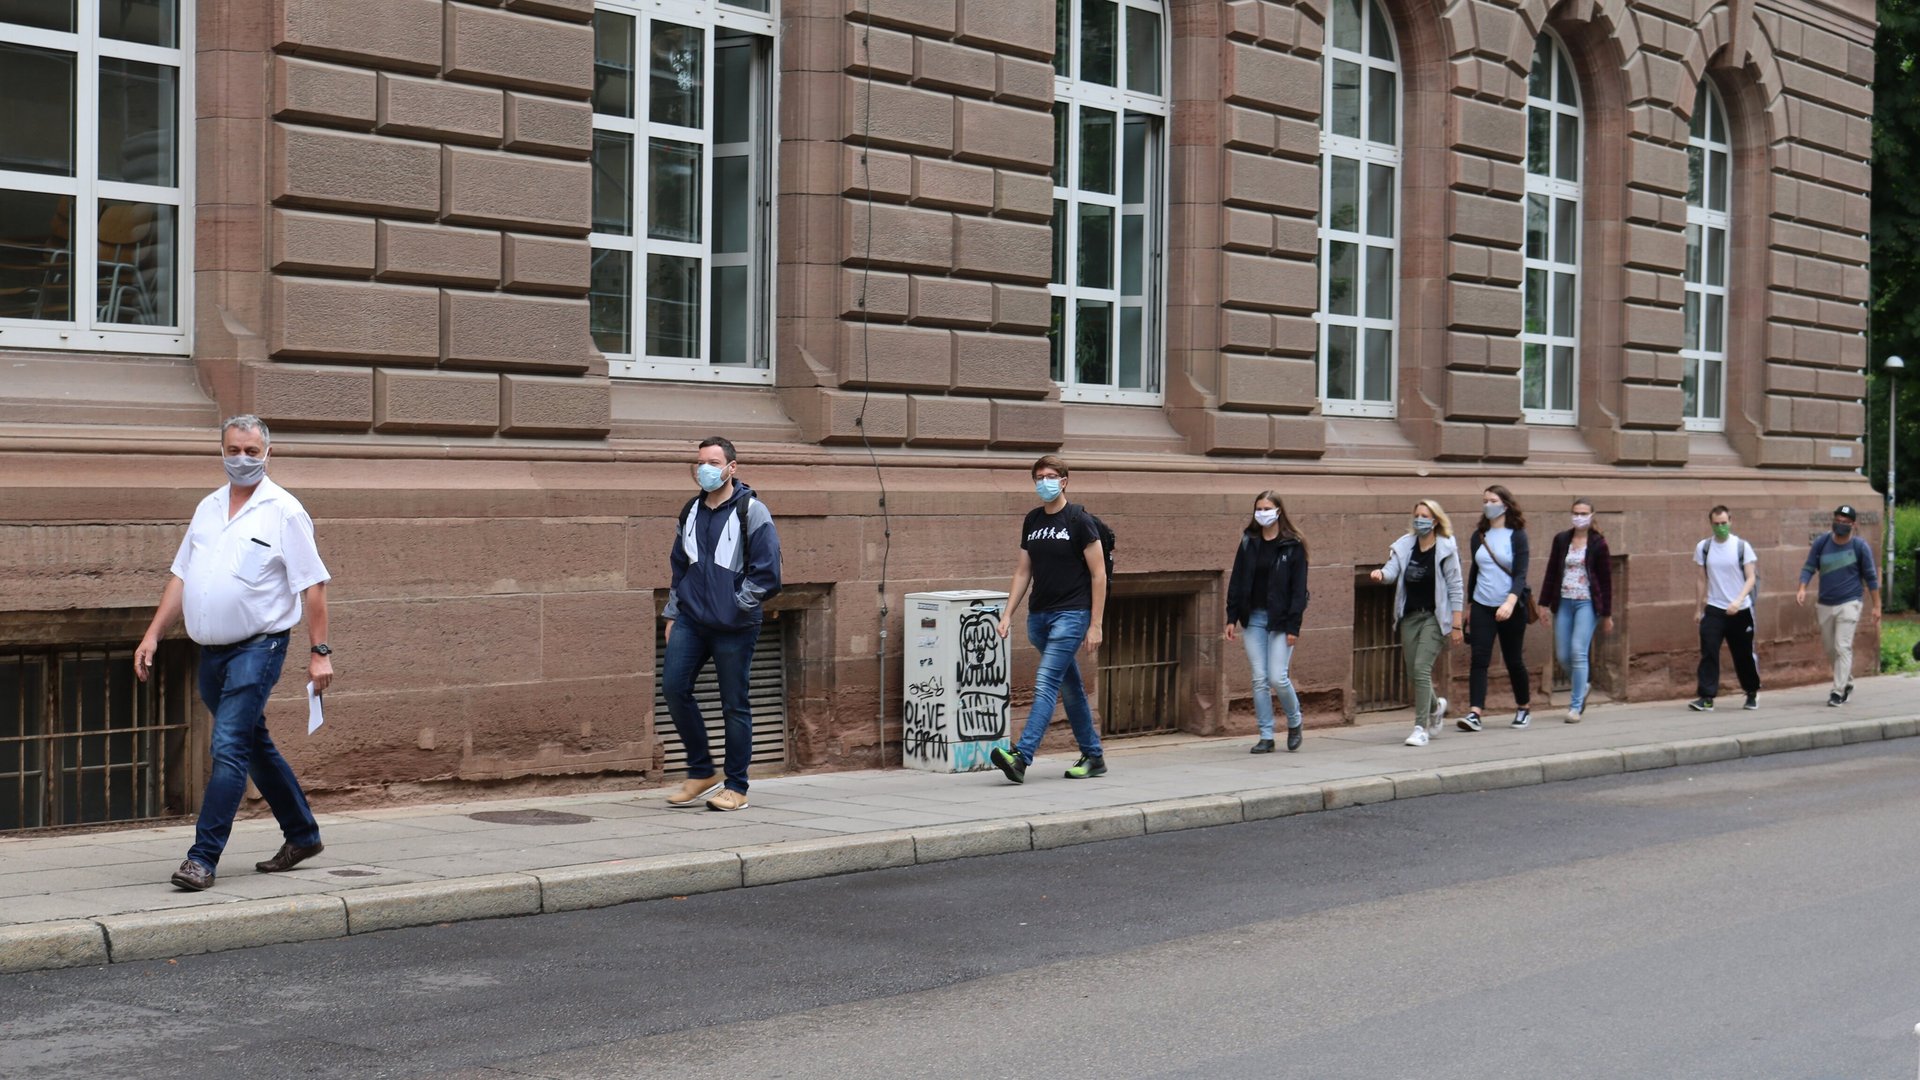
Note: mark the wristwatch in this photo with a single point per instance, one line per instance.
(322, 650)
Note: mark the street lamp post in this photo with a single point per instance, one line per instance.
(1893, 367)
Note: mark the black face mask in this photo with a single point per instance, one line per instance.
(1843, 529)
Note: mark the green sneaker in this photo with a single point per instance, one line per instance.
(1087, 768)
(1010, 763)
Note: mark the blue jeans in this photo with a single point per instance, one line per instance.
(731, 651)
(1573, 623)
(1270, 656)
(1058, 636)
(234, 682)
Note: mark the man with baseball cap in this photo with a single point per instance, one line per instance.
(1845, 565)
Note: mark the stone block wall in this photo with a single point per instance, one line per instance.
(410, 254)
(914, 202)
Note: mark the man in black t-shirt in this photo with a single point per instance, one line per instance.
(1060, 557)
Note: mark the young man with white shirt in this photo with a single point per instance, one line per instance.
(1723, 606)
(243, 569)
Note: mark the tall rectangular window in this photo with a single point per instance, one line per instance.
(1359, 201)
(681, 282)
(1709, 217)
(1550, 332)
(1109, 119)
(95, 164)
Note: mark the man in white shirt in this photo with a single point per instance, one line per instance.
(1723, 606)
(242, 570)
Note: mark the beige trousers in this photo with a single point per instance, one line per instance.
(1837, 624)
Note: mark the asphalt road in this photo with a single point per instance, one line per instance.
(1757, 918)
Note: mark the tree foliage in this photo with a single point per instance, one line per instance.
(1895, 303)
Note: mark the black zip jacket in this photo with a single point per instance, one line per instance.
(1286, 599)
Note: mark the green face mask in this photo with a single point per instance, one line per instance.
(1721, 532)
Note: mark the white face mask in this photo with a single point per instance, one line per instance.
(244, 471)
(1581, 521)
(1266, 517)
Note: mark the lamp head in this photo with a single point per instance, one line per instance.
(1894, 365)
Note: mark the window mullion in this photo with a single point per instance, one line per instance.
(86, 157)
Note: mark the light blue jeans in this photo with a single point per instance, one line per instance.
(1270, 656)
(1573, 623)
(1057, 636)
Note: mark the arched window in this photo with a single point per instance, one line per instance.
(1549, 335)
(1109, 115)
(1709, 202)
(1359, 200)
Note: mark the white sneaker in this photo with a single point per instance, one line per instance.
(1439, 715)
(1573, 716)
(1418, 738)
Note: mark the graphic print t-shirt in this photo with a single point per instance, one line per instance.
(1419, 579)
(1057, 546)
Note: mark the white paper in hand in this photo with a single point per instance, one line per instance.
(314, 716)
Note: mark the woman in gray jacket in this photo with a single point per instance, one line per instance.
(1428, 602)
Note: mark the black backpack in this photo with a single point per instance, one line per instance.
(1105, 533)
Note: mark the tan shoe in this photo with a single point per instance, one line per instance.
(692, 791)
(728, 799)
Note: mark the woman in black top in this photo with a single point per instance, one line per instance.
(1267, 596)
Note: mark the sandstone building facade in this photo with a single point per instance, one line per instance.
(490, 268)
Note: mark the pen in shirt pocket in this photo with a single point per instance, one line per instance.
(259, 541)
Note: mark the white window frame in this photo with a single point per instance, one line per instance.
(91, 333)
(1551, 190)
(1712, 147)
(1367, 154)
(1073, 95)
(708, 16)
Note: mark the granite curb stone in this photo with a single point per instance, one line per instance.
(158, 935)
(1338, 794)
(63, 944)
(418, 903)
(1087, 826)
(656, 877)
(1580, 765)
(972, 839)
(1199, 812)
(797, 860)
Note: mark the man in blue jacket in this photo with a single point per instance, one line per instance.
(1845, 565)
(726, 563)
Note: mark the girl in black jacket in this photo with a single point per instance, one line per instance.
(1497, 603)
(1266, 597)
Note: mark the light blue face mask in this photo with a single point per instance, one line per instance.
(1048, 489)
(710, 477)
(1422, 526)
(1494, 510)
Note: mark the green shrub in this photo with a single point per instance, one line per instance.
(1897, 638)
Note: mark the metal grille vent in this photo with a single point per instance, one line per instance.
(766, 691)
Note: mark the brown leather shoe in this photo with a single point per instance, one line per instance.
(288, 858)
(192, 876)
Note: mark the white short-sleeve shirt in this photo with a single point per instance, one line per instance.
(244, 576)
(1726, 563)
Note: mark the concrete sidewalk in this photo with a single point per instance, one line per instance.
(104, 897)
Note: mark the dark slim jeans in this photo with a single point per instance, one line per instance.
(1512, 636)
(731, 651)
(1737, 631)
(234, 682)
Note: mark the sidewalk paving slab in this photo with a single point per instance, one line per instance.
(102, 896)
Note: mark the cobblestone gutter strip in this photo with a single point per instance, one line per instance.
(245, 924)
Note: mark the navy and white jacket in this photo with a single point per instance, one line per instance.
(720, 578)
